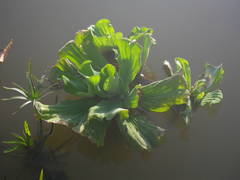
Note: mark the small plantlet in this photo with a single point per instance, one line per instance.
(21, 143)
(32, 93)
(202, 92)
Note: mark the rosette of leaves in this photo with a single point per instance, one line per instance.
(21, 143)
(203, 92)
(100, 67)
(34, 91)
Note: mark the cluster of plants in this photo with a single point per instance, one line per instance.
(103, 70)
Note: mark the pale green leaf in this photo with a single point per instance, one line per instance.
(213, 97)
(72, 52)
(213, 76)
(69, 112)
(143, 35)
(129, 61)
(103, 28)
(14, 98)
(168, 68)
(105, 110)
(183, 65)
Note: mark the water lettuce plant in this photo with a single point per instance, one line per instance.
(101, 68)
(203, 92)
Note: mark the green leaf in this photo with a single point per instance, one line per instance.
(140, 132)
(41, 175)
(76, 86)
(198, 89)
(144, 36)
(211, 98)
(103, 28)
(15, 142)
(132, 99)
(213, 76)
(16, 90)
(19, 138)
(26, 129)
(182, 64)
(105, 110)
(95, 127)
(159, 96)
(89, 49)
(14, 98)
(109, 79)
(129, 60)
(72, 52)
(12, 149)
(69, 112)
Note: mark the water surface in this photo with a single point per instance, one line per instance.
(200, 31)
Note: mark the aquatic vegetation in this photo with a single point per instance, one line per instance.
(24, 142)
(41, 175)
(32, 93)
(202, 91)
(101, 68)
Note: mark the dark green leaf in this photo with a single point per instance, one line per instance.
(12, 149)
(140, 132)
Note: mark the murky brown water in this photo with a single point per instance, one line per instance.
(201, 31)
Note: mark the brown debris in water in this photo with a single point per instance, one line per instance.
(4, 52)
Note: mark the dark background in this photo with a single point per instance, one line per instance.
(200, 31)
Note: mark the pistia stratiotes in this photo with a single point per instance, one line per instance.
(101, 67)
(202, 91)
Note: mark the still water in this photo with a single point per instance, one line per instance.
(200, 31)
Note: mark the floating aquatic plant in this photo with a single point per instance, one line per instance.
(202, 92)
(100, 67)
